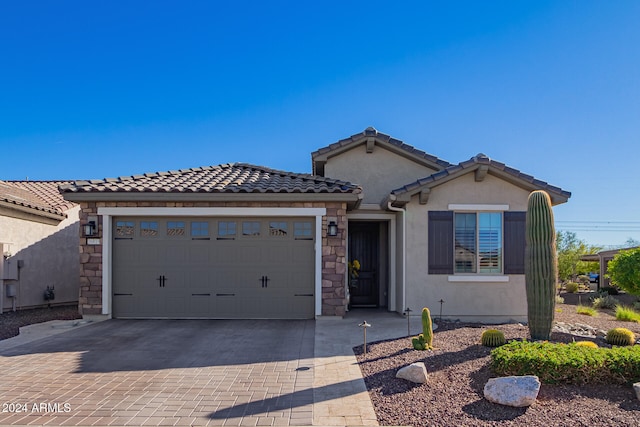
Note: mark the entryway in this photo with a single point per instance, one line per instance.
(367, 244)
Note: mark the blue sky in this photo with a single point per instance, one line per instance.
(105, 89)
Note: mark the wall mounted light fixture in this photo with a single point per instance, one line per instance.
(90, 229)
(332, 229)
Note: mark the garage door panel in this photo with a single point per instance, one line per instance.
(266, 275)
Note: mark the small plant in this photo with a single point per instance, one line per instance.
(586, 310)
(627, 314)
(604, 300)
(559, 299)
(588, 344)
(492, 338)
(572, 287)
(424, 341)
(621, 336)
(584, 280)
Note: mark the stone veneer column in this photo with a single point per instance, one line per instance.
(334, 264)
(90, 298)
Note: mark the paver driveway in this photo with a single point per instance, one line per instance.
(163, 372)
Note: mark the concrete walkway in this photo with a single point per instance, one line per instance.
(215, 373)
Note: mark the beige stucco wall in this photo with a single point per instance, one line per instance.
(49, 254)
(378, 173)
(476, 301)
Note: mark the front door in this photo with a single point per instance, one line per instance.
(364, 240)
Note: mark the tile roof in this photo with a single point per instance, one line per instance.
(226, 178)
(496, 168)
(372, 132)
(42, 196)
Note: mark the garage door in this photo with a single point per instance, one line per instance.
(249, 268)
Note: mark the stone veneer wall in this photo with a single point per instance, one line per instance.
(333, 251)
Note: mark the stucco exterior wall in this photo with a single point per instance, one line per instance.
(378, 172)
(333, 251)
(473, 301)
(49, 255)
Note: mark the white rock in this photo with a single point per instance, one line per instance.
(416, 373)
(515, 391)
(636, 388)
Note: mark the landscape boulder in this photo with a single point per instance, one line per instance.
(636, 388)
(517, 391)
(416, 373)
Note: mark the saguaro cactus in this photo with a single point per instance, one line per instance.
(541, 265)
(424, 341)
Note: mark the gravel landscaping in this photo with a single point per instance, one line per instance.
(12, 321)
(459, 368)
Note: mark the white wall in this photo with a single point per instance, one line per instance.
(50, 257)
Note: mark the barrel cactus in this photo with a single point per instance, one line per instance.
(621, 336)
(541, 265)
(492, 338)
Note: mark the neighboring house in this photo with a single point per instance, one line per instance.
(603, 258)
(39, 245)
(243, 241)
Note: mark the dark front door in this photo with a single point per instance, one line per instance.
(363, 246)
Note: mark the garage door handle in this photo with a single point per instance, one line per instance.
(302, 295)
(265, 281)
(121, 295)
(162, 280)
(200, 295)
(225, 295)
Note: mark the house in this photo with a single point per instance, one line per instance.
(245, 241)
(603, 258)
(39, 245)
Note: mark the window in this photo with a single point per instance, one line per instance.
(199, 229)
(251, 228)
(175, 228)
(476, 242)
(226, 228)
(302, 230)
(277, 229)
(148, 228)
(125, 229)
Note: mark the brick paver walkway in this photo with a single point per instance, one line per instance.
(163, 372)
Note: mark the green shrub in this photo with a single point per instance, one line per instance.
(620, 336)
(627, 314)
(492, 338)
(604, 300)
(559, 299)
(555, 363)
(611, 290)
(586, 310)
(572, 287)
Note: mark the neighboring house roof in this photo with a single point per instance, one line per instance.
(481, 165)
(37, 197)
(226, 179)
(372, 137)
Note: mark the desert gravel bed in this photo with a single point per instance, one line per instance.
(12, 321)
(459, 368)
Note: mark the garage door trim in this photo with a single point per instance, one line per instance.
(108, 212)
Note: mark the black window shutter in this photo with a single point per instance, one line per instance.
(440, 242)
(514, 242)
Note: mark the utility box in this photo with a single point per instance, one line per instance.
(11, 290)
(11, 268)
